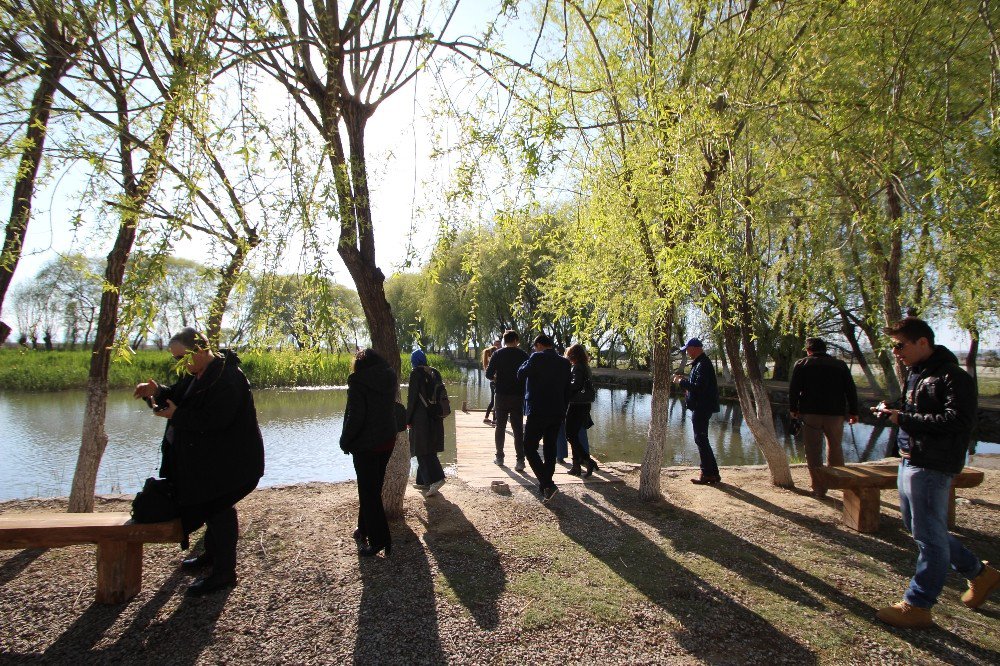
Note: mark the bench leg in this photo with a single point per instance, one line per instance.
(119, 571)
(861, 509)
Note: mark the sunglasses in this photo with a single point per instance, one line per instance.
(898, 346)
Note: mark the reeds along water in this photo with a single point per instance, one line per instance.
(39, 370)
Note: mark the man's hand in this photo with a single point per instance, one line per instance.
(852, 419)
(794, 415)
(168, 411)
(146, 390)
(678, 379)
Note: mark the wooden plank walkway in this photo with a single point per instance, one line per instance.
(476, 450)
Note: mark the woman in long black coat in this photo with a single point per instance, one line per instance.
(213, 452)
(581, 394)
(426, 429)
(369, 435)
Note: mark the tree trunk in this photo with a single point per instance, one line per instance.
(890, 264)
(227, 280)
(970, 358)
(753, 396)
(848, 329)
(56, 63)
(95, 439)
(357, 249)
(652, 459)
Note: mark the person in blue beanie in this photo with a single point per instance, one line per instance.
(426, 429)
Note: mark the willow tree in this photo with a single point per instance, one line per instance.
(146, 61)
(339, 61)
(40, 41)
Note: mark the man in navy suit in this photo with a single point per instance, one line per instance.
(547, 377)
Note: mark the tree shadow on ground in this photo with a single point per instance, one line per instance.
(736, 632)
(397, 615)
(469, 563)
(13, 567)
(769, 571)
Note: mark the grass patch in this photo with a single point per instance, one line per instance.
(37, 370)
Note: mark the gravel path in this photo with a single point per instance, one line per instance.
(742, 573)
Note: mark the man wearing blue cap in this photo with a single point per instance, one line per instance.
(703, 401)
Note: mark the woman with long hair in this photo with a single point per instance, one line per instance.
(487, 355)
(369, 435)
(581, 394)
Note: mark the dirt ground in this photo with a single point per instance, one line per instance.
(740, 573)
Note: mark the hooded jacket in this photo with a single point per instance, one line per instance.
(212, 446)
(368, 418)
(939, 413)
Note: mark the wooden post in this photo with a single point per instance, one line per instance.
(119, 571)
(861, 509)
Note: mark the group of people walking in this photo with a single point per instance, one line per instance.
(540, 395)
(213, 454)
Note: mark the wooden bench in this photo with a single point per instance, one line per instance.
(863, 483)
(119, 544)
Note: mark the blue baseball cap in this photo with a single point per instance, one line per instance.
(693, 342)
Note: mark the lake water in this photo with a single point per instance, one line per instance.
(40, 437)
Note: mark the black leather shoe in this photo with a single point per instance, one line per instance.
(575, 470)
(372, 551)
(706, 480)
(199, 562)
(210, 584)
(591, 466)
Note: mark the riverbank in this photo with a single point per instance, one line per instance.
(739, 573)
(987, 428)
(39, 370)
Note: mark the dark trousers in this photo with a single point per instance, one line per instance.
(222, 527)
(577, 418)
(372, 523)
(493, 397)
(512, 407)
(546, 430)
(699, 419)
(221, 533)
(429, 469)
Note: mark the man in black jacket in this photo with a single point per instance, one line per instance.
(509, 402)
(703, 401)
(547, 379)
(213, 452)
(821, 393)
(935, 425)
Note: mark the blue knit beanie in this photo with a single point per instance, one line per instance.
(418, 358)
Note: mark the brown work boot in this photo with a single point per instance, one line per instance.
(905, 616)
(981, 586)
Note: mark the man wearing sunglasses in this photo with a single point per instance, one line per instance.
(213, 452)
(935, 426)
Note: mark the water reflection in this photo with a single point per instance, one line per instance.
(40, 436)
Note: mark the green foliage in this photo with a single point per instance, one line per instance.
(29, 370)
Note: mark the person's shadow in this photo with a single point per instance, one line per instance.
(701, 607)
(469, 563)
(397, 615)
(769, 571)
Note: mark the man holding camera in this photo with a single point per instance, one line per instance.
(935, 425)
(703, 401)
(821, 392)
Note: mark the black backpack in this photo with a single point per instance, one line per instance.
(435, 400)
(155, 503)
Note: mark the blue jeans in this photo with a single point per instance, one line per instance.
(699, 420)
(923, 501)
